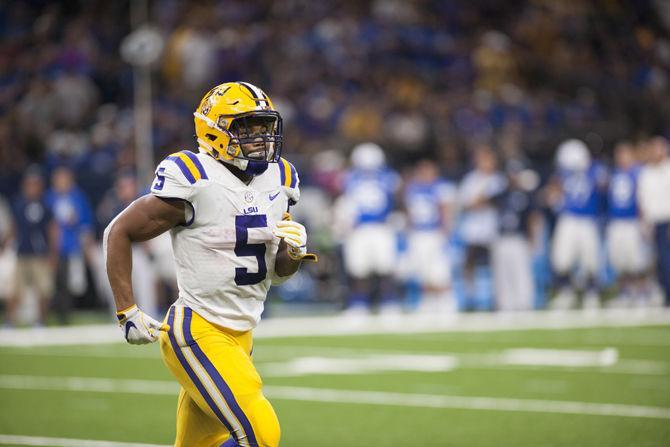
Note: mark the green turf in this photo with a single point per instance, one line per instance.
(150, 418)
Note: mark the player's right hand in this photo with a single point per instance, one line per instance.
(139, 328)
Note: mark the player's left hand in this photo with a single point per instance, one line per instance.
(295, 236)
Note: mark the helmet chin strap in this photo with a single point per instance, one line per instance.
(250, 167)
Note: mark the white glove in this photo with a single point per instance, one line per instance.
(138, 327)
(295, 236)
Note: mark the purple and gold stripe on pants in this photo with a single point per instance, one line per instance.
(207, 379)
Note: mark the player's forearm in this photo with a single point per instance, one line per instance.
(284, 264)
(119, 264)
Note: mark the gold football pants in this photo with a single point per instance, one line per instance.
(221, 401)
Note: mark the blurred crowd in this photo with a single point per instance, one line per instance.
(455, 84)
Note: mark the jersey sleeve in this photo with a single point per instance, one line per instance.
(177, 176)
(290, 181)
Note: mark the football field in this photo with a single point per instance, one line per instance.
(594, 385)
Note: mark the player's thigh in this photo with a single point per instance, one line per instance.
(357, 259)
(522, 275)
(616, 247)
(22, 277)
(238, 375)
(382, 249)
(195, 427)
(433, 263)
(625, 247)
(219, 376)
(589, 246)
(42, 276)
(563, 245)
(502, 273)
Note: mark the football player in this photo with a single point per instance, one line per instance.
(478, 228)
(370, 245)
(625, 243)
(429, 202)
(226, 209)
(576, 239)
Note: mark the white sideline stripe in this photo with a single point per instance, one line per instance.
(341, 325)
(106, 385)
(68, 442)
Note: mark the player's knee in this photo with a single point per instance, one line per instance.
(266, 424)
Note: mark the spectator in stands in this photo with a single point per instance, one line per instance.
(34, 233)
(75, 242)
(653, 189)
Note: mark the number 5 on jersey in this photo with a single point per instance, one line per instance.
(244, 248)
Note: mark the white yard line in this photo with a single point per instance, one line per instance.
(106, 385)
(371, 364)
(289, 360)
(560, 357)
(101, 353)
(91, 384)
(340, 325)
(67, 442)
(465, 403)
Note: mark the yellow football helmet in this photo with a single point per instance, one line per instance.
(238, 115)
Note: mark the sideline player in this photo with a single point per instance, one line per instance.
(429, 202)
(625, 242)
(370, 244)
(226, 208)
(576, 240)
(518, 224)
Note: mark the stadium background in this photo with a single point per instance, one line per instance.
(423, 79)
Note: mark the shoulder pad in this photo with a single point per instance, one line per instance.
(189, 165)
(290, 181)
(288, 174)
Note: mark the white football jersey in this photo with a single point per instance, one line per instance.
(225, 254)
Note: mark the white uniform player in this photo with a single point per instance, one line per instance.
(230, 223)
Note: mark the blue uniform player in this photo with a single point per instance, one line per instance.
(370, 243)
(429, 201)
(576, 240)
(625, 245)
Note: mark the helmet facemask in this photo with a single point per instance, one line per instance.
(255, 140)
(255, 136)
